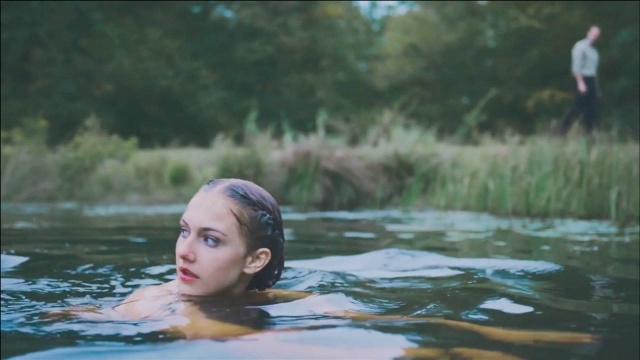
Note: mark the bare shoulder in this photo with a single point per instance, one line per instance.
(150, 291)
(145, 301)
(135, 306)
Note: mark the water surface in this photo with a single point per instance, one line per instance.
(558, 275)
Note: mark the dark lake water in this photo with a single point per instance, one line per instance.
(524, 274)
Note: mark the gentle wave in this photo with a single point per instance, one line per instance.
(393, 220)
(11, 261)
(329, 343)
(388, 263)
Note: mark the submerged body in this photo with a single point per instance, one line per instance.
(201, 317)
(247, 317)
(230, 252)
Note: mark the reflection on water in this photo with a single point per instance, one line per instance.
(561, 275)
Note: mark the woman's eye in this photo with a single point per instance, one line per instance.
(211, 241)
(184, 232)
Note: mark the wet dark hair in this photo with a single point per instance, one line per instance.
(260, 222)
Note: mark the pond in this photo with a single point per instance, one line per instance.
(524, 274)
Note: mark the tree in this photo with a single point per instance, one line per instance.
(442, 59)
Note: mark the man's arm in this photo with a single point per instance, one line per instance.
(582, 87)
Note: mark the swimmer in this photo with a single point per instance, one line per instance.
(230, 251)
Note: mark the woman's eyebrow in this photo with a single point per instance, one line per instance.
(207, 228)
(214, 230)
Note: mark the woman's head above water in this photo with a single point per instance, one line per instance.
(231, 240)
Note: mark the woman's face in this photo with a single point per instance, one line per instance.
(211, 253)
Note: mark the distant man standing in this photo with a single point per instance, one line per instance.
(584, 66)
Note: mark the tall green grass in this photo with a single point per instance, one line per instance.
(542, 177)
(393, 164)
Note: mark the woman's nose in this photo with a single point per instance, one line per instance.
(184, 249)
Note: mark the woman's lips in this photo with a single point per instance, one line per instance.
(186, 274)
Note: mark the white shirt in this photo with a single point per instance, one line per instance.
(584, 58)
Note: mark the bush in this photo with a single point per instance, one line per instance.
(88, 149)
(28, 169)
(179, 174)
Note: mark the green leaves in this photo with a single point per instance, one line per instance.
(180, 73)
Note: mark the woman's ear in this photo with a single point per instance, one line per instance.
(257, 260)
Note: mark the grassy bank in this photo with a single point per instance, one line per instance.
(389, 166)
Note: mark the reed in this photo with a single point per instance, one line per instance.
(542, 177)
(395, 164)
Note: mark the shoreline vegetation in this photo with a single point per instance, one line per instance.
(392, 163)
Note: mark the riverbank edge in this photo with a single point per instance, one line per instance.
(575, 177)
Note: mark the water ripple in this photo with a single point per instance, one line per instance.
(400, 263)
(11, 261)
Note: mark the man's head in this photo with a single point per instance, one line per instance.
(593, 34)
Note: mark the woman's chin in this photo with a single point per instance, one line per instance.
(186, 289)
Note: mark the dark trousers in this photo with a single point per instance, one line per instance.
(585, 105)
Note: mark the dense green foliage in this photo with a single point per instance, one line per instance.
(184, 72)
